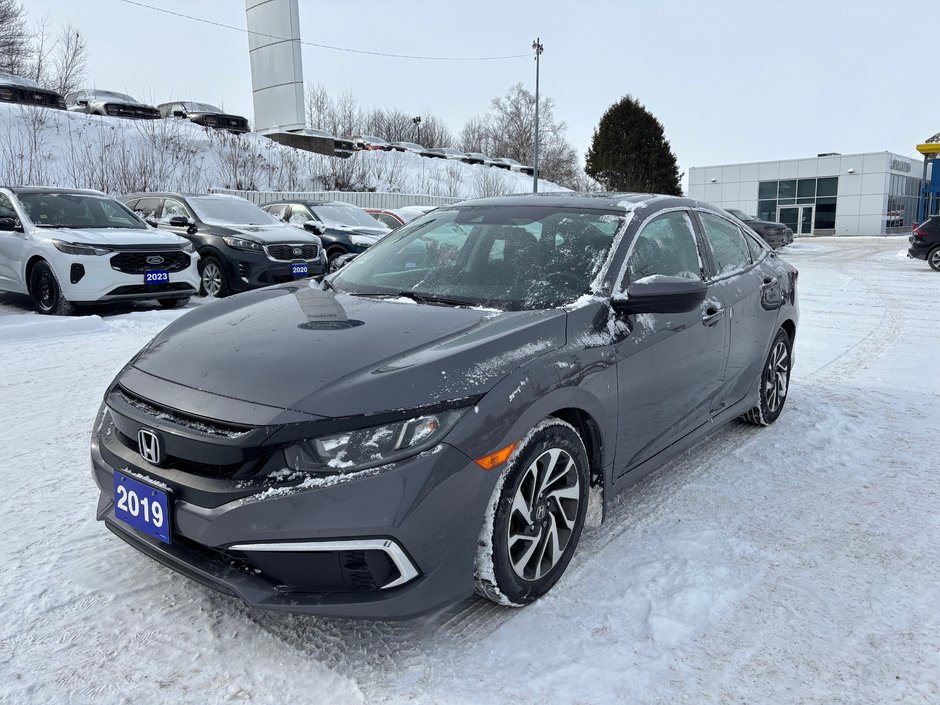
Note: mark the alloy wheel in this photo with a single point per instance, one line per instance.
(778, 376)
(543, 514)
(211, 279)
(935, 259)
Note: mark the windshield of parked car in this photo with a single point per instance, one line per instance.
(230, 211)
(77, 210)
(741, 214)
(109, 95)
(507, 257)
(348, 216)
(201, 108)
(12, 80)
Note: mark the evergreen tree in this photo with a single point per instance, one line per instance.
(629, 152)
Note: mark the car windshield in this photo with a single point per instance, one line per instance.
(741, 214)
(109, 95)
(10, 79)
(411, 145)
(230, 211)
(508, 257)
(350, 216)
(201, 108)
(77, 210)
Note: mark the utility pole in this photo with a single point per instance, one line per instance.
(537, 48)
(417, 122)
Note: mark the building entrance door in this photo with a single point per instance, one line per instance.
(798, 218)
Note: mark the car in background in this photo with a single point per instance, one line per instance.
(205, 115)
(444, 153)
(478, 158)
(241, 247)
(99, 102)
(513, 165)
(344, 228)
(17, 89)
(774, 234)
(408, 147)
(925, 242)
(396, 217)
(438, 416)
(371, 142)
(67, 247)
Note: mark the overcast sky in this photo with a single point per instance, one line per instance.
(731, 80)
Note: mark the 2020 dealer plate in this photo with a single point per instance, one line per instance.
(299, 269)
(144, 507)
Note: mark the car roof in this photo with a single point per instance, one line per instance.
(575, 199)
(22, 190)
(178, 194)
(307, 202)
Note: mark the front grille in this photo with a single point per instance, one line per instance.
(131, 111)
(286, 252)
(209, 428)
(136, 262)
(29, 96)
(171, 287)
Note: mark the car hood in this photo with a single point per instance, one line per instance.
(330, 354)
(113, 236)
(376, 232)
(267, 233)
(765, 223)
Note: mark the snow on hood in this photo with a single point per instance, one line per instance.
(268, 234)
(333, 354)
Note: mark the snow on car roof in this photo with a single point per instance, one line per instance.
(11, 79)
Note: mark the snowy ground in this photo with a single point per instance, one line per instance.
(794, 564)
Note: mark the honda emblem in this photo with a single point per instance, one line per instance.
(149, 445)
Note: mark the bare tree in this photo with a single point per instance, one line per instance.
(70, 60)
(318, 107)
(434, 132)
(42, 47)
(15, 47)
(508, 130)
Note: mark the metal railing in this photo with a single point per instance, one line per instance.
(363, 199)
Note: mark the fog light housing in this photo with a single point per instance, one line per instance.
(76, 273)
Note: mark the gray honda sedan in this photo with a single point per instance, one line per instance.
(432, 419)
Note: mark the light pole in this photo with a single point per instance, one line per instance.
(417, 123)
(537, 48)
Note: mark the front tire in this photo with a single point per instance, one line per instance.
(213, 280)
(46, 293)
(774, 382)
(933, 259)
(535, 517)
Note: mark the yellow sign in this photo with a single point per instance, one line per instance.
(929, 148)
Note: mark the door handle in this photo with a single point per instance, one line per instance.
(712, 315)
(769, 282)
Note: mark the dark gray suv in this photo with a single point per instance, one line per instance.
(430, 419)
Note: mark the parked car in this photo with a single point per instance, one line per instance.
(98, 102)
(431, 419)
(513, 165)
(396, 217)
(241, 246)
(775, 234)
(370, 142)
(925, 242)
(344, 228)
(17, 89)
(67, 247)
(413, 147)
(443, 153)
(478, 158)
(205, 115)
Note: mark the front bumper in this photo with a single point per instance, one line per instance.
(254, 270)
(100, 282)
(393, 544)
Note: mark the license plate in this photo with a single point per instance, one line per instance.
(156, 276)
(299, 269)
(144, 507)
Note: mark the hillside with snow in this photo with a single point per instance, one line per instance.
(39, 146)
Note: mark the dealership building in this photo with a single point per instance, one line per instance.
(875, 193)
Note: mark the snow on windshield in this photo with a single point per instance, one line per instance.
(109, 95)
(201, 108)
(10, 79)
(350, 216)
(230, 211)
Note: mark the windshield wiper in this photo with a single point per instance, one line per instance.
(431, 299)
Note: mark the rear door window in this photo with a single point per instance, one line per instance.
(729, 248)
(147, 207)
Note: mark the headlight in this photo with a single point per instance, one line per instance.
(240, 244)
(362, 240)
(78, 248)
(188, 248)
(349, 451)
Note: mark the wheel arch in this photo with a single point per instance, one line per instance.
(590, 433)
(789, 325)
(30, 266)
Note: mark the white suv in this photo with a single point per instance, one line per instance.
(66, 246)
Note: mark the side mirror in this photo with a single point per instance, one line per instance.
(82, 101)
(661, 294)
(151, 221)
(8, 225)
(181, 221)
(315, 227)
(342, 261)
(179, 113)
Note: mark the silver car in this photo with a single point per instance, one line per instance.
(95, 101)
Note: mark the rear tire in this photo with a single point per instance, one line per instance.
(933, 259)
(774, 382)
(173, 303)
(213, 280)
(535, 516)
(46, 293)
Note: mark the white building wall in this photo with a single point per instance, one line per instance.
(861, 200)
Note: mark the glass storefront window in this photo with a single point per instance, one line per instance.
(787, 189)
(828, 186)
(806, 188)
(767, 189)
(767, 210)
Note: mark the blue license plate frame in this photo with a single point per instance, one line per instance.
(145, 498)
(153, 277)
(299, 270)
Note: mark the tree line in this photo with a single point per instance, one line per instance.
(55, 59)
